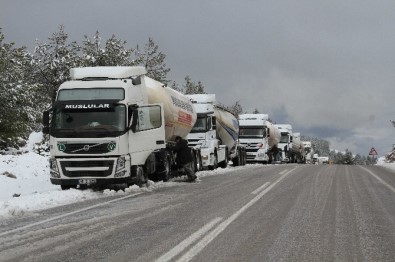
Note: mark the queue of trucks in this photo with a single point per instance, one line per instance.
(115, 125)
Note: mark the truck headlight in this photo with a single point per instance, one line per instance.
(53, 166)
(120, 163)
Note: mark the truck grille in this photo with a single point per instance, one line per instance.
(193, 142)
(89, 148)
(106, 165)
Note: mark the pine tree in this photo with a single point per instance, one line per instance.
(236, 109)
(19, 109)
(154, 61)
(54, 60)
(113, 54)
(191, 87)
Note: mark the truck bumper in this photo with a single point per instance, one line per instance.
(93, 181)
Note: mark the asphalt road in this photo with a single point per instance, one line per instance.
(257, 213)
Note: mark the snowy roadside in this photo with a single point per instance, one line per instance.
(25, 185)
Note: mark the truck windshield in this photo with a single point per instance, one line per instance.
(200, 125)
(255, 132)
(284, 138)
(75, 122)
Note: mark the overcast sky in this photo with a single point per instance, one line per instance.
(326, 67)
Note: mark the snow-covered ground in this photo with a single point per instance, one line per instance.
(25, 185)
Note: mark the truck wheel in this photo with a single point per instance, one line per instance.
(197, 165)
(200, 165)
(215, 165)
(166, 173)
(243, 157)
(224, 163)
(237, 160)
(141, 177)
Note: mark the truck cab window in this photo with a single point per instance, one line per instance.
(149, 117)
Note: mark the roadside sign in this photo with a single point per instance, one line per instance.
(373, 152)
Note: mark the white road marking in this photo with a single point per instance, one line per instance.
(188, 241)
(283, 172)
(193, 251)
(256, 191)
(67, 214)
(379, 179)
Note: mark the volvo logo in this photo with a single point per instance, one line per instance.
(86, 147)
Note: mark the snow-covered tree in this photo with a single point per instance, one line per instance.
(19, 110)
(256, 111)
(191, 87)
(154, 61)
(113, 54)
(53, 61)
(236, 108)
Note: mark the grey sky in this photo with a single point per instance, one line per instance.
(326, 67)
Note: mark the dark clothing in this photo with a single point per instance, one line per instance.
(184, 158)
(184, 155)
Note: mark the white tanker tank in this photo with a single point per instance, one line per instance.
(296, 150)
(180, 115)
(274, 134)
(215, 133)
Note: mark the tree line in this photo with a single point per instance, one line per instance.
(321, 147)
(29, 81)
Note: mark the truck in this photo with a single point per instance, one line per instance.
(285, 141)
(296, 149)
(215, 133)
(309, 151)
(260, 137)
(114, 125)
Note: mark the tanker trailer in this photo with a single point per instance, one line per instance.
(114, 125)
(215, 133)
(260, 137)
(285, 141)
(309, 151)
(296, 150)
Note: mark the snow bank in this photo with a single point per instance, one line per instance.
(25, 185)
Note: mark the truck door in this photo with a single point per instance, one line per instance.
(147, 131)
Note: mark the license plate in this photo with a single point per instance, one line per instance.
(250, 154)
(86, 181)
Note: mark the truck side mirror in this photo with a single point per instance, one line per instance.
(135, 120)
(214, 122)
(46, 122)
(268, 132)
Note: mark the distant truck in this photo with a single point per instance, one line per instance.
(323, 160)
(260, 137)
(115, 125)
(309, 151)
(296, 150)
(285, 141)
(315, 159)
(215, 133)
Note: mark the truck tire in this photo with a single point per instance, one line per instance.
(224, 163)
(197, 165)
(236, 161)
(243, 157)
(215, 165)
(140, 175)
(163, 171)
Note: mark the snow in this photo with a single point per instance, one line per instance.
(32, 190)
